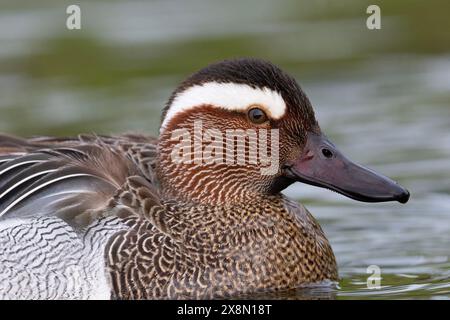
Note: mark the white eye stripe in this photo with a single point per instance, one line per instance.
(229, 96)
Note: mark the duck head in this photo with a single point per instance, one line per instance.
(240, 128)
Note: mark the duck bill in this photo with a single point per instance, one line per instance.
(323, 165)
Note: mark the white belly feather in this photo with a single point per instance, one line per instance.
(45, 258)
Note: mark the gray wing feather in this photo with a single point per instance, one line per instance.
(65, 178)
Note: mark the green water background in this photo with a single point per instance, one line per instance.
(382, 95)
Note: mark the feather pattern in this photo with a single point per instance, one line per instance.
(114, 217)
(57, 200)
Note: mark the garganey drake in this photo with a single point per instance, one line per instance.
(197, 213)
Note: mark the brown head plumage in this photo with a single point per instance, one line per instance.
(207, 97)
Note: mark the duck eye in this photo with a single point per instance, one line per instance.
(257, 116)
(327, 153)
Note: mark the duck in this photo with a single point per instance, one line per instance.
(193, 214)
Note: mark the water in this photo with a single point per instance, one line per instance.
(401, 130)
(383, 97)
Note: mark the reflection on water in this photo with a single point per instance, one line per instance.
(381, 104)
(325, 291)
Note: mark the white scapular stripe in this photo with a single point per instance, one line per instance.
(229, 96)
(19, 164)
(40, 187)
(25, 180)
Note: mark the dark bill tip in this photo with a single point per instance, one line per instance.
(403, 197)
